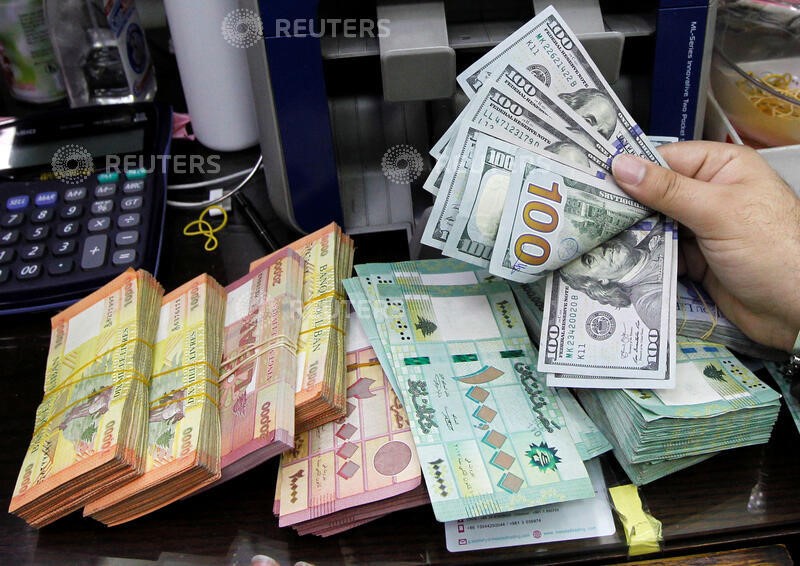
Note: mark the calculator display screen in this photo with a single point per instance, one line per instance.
(40, 152)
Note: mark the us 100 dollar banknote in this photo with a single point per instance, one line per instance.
(475, 228)
(554, 214)
(551, 51)
(608, 312)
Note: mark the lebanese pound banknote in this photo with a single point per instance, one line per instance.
(549, 49)
(320, 384)
(554, 214)
(262, 322)
(489, 435)
(90, 430)
(183, 425)
(608, 315)
(363, 458)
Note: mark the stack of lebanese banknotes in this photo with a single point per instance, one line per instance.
(320, 384)
(183, 440)
(90, 433)
(146, 403)
(259, 365)
(717, 404)
(699, 317)
(523, 188)
(490, 435)
(357, 468)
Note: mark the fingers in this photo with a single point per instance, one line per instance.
(712, 161)
(689, 201)
(693, 259)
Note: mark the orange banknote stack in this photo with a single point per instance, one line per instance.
(259, 364)
(320, 387)
(183, 435)
(90, 432)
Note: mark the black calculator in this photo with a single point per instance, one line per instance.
(82, 199)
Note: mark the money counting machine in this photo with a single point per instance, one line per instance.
(351, 94)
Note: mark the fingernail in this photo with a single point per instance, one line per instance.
(628, 169)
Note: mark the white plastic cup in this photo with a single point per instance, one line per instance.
(212, 61)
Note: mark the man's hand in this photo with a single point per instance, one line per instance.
(741, 230)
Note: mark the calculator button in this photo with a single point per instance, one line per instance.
(131, 203)
(46, 199)
(36, 233)
(60, 267)
(41, 215)
(110, 177)
(29, 271)
(6, 255)
(94, 251)
(68, 229)
(71, 211)
(31, 251)
(127, 238)
(123, 257)
(4, 273)
(75, 194)
(64, 247)
(99, 224)
(103, 191)
(133, 187)
(11, 219)
(9, 237)
(18, 202)
(129, 220)
(102, 207)
(135, 174)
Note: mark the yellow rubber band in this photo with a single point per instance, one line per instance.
(67, 381)
(767, 102)
(268, 345)
(184, 388)
(173, 401)
(328, 295)
(135, 377)
(214, 371)
(202, 227)
(353, 367)
(714, 315)
(334, 327)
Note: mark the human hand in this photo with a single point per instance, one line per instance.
(741, 230)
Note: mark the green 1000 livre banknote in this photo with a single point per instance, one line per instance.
(491, 437)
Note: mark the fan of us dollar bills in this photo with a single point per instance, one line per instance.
(523, 188)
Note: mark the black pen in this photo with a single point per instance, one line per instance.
(255, 221)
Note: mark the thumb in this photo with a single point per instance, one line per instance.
(691, 202)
